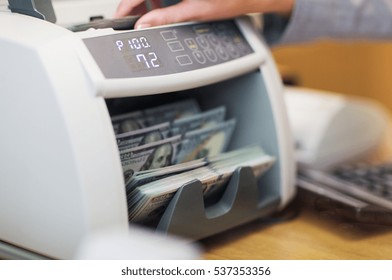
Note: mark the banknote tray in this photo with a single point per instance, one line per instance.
(242, 201)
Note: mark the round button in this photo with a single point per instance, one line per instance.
(222, 53)
(213, 40)
(202, 42)
(199, 56)
(211, 55)
(232, 51)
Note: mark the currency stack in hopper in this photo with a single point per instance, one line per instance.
(165, 147)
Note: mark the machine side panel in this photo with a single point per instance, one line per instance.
(60, 174)
(285, 141)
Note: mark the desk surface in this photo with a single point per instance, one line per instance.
(312, 235)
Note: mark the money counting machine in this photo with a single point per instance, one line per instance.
(61, 177)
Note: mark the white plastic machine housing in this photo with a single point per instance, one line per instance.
(60, 171)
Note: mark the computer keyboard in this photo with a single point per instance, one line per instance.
(367, 182)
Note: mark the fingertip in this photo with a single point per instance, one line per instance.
(163, 16)
(116, 15)
(120, 12)
(126, 8)
(152, 18)
(147, 20)
(142, 25)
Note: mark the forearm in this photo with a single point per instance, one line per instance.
(199, 10)
(339, 19)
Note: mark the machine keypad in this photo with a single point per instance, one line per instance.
(168, 50)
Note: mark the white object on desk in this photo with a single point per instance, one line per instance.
(330, 128)
(136, 244)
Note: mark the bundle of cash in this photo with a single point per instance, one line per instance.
(143, 177)
(152, 116)
(165, 147)
(179, 126)
(148, 201)
(192, 145)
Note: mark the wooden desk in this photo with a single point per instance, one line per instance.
(312, 235)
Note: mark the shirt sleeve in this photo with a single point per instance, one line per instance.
(334, 19)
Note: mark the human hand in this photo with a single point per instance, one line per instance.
(198, 10)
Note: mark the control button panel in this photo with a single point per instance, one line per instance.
(168, 50)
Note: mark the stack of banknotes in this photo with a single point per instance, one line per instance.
(164, 147)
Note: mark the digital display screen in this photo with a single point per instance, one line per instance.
(167, 50)
(138, 53)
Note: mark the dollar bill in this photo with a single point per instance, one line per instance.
(154, 155)
(141, 178)
(205, 119)
(142, 136)
(149, 201)
(127, 122)
(148, 117)
(171, 111)
(205, 142)
(168, 129)
(206, 160)
(177, 149)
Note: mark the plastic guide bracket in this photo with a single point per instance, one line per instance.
(42, 9)
(187, 216)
